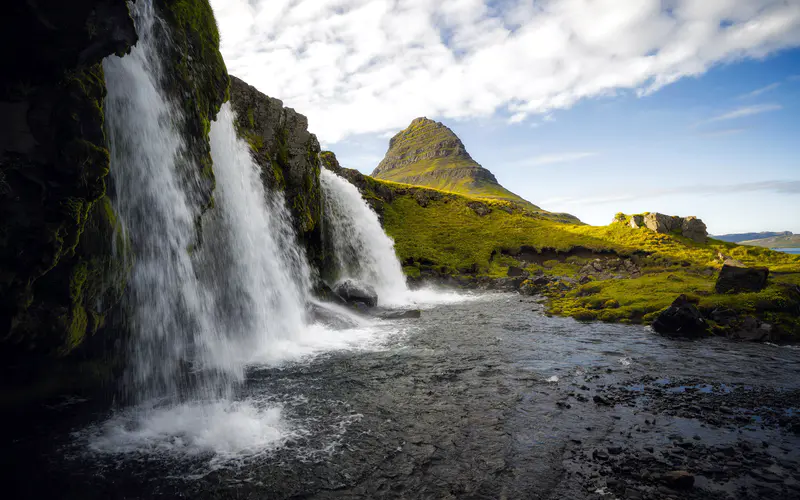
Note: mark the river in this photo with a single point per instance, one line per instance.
(483, 398)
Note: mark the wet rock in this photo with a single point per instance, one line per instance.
(678, 480)
(600, 400)
(409, 314)
(355, 292)
(735, 279)
(681, 319)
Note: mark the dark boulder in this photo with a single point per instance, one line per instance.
(735, 279)
(681, 319)
(355, 292)
(514, 272)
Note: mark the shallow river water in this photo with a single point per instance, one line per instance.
(486, 398)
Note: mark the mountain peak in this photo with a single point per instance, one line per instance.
(428, 153)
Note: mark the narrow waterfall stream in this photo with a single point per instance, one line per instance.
(364, 252)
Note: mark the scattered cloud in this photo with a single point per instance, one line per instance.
(745, 111)
(368, 66)
(759, 91)
(724, 133)
(775, 186)
(549, 159)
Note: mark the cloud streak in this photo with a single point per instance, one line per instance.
(745, 111)
(783, 187)
(367, 66)
(759, 91)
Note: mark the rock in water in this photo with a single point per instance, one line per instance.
(355, 292)
(409, 314)
(681, 319)
(735, 279)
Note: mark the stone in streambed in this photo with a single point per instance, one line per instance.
(678, 480)
(354, 292)
(681, 319)
(409, 314)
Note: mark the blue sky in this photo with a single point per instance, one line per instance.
(669, 151)
(687, 107)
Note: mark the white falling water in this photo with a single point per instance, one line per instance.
(201, 308)
(167, 306)
(362, 249)
(364, 252)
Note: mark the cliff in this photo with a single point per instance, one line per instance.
(60, 275)
(288, 155)
(429, 154)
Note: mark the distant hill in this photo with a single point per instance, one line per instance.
(740, 237)
(785, 241)
(427, 153)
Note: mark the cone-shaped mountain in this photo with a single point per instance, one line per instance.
(427, 153)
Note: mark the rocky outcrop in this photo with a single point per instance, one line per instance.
(288, 155)
(681, 319)
(691, 227)
(57, 274)
(610, 268)
(735, 279)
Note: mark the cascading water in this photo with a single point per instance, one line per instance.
(364, 252)
(167, 307)
(362, 249)
(200, 308)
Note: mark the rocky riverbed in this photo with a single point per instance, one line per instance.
(486, 398)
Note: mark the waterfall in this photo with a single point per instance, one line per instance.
(167, 307)
(362, 249)
(200, 306)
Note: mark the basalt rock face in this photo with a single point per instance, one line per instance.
(63, 259)
(288, 155)
(57, 272)
(427, 153)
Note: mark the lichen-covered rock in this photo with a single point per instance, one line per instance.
(735, 279)
(661, 223)
(694, 229)
(681, 319)
(288, 155)
(691, 227)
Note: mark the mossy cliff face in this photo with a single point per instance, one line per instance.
(196, 79)
(288, 155)
(63, 261)
(53, 169)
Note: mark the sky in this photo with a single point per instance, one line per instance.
(592, 107)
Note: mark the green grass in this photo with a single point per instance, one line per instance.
(447, 237)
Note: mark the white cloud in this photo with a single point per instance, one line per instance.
(759, 91)
(365, 66)
(745, 111)
(549, 159)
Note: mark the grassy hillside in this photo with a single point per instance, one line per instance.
(792, 241)
(445, 235)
